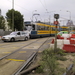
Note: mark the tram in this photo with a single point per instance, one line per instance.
(63, 28)
(40, 29)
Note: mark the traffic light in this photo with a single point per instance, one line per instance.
(56, 16)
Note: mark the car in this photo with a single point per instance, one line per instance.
(62, 32)
(72, 32)
(15, 36)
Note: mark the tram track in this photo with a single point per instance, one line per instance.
(29, 61)
(16, 50)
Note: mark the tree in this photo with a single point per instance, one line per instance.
(2, 23)
(18, 20)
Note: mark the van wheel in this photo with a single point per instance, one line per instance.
(12, 39)
(26, 38)
(4, 41)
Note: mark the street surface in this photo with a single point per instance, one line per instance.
(14, 54)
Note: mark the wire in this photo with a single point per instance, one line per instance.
(45, 3)
(43, 6)
(20, 6)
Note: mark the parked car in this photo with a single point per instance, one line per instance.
(72, 32)
(62, 32)
(17, 35)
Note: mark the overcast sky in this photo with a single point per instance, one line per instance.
(46, 9)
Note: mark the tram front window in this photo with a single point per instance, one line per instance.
(33, 26)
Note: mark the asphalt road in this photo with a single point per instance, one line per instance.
(18, 53)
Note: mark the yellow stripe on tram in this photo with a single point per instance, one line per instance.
(15, 60)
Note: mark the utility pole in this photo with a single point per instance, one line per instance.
(13, 15)
(70, 21)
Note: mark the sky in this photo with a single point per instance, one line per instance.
(45, 8)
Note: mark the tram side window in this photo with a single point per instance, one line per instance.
(64, 29)
(53, 29)
(40, 27)
(46, 28)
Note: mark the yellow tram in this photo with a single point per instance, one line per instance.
(39, 29)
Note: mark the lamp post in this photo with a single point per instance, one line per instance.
(70, 21)
(13, 15)
(50, 16)
(70, 15)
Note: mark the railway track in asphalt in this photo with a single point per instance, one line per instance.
(23, 60)
(29, 61)
(16, 50)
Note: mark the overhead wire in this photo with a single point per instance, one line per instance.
(43, 5)
(20, 6)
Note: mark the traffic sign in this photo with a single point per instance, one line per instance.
(56, 22)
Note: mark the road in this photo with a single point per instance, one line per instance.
(14, 54)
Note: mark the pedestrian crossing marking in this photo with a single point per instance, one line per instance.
(48, 43)
(6, 52)
(15, 60)
(39, 51)
(22, 51)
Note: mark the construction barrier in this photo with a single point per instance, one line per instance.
(67, 45)
(69, 48)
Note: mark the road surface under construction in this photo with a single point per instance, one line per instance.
(16, 56)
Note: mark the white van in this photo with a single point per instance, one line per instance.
(14, 36)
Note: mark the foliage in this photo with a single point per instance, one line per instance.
(40, 69)
(60, 52)
(2, 23)
(61, 58)
(18, 20)
(49, 63)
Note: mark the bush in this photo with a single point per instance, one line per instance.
(49, 62)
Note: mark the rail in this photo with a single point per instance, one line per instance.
(69, 70)
(27, 63)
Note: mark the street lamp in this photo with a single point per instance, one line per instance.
(70, 21)
(70, 15)
(50, 16)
